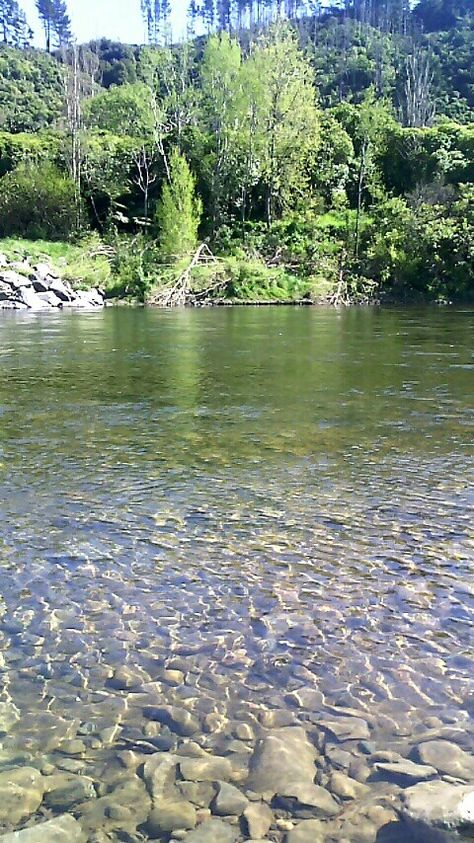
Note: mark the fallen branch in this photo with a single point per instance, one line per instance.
(179, 292)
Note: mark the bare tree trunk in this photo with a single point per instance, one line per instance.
(360, 190)
(418, 107)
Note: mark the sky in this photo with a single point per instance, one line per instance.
(116, 19)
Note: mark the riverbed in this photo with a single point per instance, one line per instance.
(219, 527)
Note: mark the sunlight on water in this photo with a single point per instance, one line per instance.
(218, 525)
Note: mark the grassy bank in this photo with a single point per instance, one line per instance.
(127, 270)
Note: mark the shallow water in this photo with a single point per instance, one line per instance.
(267, 500)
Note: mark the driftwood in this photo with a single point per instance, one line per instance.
(180, 291)
(340, 295)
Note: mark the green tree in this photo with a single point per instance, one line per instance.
(286, 120)
(124, 109)
(56, 22)
(14, 28)
(179, 211)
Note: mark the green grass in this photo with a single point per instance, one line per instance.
(84, 264)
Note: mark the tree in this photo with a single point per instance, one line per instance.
(124, 109)
(56, 22)
(418, 105)
(14, 28)
(282, 98)
(179, 211)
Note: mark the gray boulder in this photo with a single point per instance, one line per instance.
(282, 759)
(32, 300)
(438, 812)
(63, 829)
(14, 279)
(50, 298)
(61, 290)
(21, 794)
(448, 758)
(213, 831)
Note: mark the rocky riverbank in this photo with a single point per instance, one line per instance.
(38, 287)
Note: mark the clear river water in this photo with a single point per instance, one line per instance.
(219, 524)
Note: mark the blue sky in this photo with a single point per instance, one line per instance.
(117, 19)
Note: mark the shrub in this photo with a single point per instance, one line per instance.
(38, 202)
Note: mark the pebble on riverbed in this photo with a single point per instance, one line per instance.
(39, 288)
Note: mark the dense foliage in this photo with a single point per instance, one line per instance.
(330, 155)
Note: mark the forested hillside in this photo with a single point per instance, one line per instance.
(321, 152)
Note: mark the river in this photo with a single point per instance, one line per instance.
(261, 517)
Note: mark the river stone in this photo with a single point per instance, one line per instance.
(244, 732)
(21, 794)
(345, 787)
(62, 791)
(159, 773)
(120, 811)
(448, 758)
(436, 811)
(179, 720)
(175, 678)
(211, 768)
(167, 816)
(308, 831)
(306, 698)
(307, 800)
(258, 818)
(282, 759)
(63, 829)
(213, 831)
(405, 772)
(199, 793)
(276, 718)
(228, 800)
(9, 715)
(346, 728)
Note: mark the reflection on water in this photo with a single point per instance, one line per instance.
(261, 517)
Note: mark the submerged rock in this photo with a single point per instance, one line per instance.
(405, 772)
(63, 791)
(211, 768)
(448, 758)
(159, 773)
(213, 831)
(346, 728)
(168, 816)
(9, 715)
(258, 818)
(179, 720)
(438, 812)
(228, 800)
(121, 811)
(21, 794)
(308, 831)
(282, 759)
(63, 829)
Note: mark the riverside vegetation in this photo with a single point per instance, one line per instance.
(321, 154)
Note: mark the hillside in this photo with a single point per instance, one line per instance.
(334, 151)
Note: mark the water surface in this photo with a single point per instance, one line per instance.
(268, 500)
